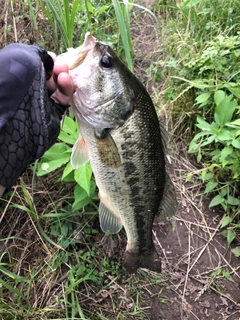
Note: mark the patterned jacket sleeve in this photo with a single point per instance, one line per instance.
(29, 118)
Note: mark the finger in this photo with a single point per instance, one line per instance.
(64, 90)
(53, 55)
(58, 68)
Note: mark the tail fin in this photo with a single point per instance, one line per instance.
(150, 260)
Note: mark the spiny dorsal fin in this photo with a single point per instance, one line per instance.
(107, 150)
(79, 156)
(168, 206)
(108, 221)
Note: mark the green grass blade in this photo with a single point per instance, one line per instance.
(58, 16)
(73, 16)
(12, 289)
(12, 275)
(123, 32)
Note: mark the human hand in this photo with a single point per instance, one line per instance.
(60, 82)
(30, 108)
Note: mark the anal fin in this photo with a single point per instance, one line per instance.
(108, 221)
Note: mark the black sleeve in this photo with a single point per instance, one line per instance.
(29, 118)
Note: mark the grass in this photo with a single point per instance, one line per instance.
(53, 260)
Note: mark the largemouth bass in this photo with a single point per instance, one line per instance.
(121, 136)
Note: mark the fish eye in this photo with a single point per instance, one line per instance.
(106, 61)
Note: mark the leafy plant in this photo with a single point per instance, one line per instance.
(59, 155)
(203, 60)
(221, 164)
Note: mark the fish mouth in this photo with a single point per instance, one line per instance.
(88, 44)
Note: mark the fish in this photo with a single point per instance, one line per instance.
(121, 136)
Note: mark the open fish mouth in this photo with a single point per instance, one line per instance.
(75, 57)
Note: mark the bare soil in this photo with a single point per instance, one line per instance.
(200, 276)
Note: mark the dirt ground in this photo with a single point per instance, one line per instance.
(201, 277)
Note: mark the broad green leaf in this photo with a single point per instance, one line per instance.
(216, 201)
(219, 95)
(231, 235)
(215, 155)
(224, 110)
(224, 191)
(235, 91)
(236, 251)
(224, 135)
(67, 170)
(89, 7)
(236, 144)
(208, 140)
(235, 122)
(200, 135)
(225, 152)
(226, 221)
(209, 176)
(203, 97)
(67, 138)
(216, 273)
(202, 124)
(83, 177)
(233, 201)
(81, 198)
(189, 176)
(199, 157)
(70, 126)
(102, 9)
(227, 275)
(211, 185)
(56, 151)
(52, 165)
(193, 147)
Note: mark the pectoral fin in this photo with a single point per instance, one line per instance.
(107, 149)
(79, 155)
(108, 221)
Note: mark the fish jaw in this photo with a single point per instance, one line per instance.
(73, 57)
